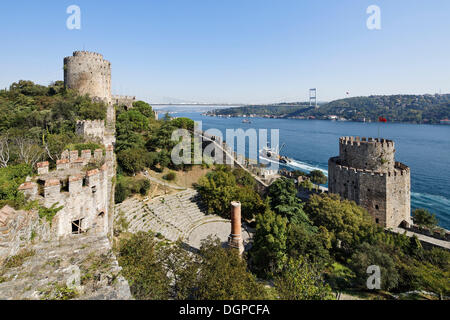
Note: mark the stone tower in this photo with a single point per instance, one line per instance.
(88, 73)
(367, 173)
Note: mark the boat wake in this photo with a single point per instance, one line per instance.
(295, 164)
(434, 203)
(304, 166)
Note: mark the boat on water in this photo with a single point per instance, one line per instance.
(272, 154)
(246, 121)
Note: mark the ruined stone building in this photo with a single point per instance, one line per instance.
(83, 186)
(366, 172)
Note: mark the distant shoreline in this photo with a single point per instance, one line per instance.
(294, 118)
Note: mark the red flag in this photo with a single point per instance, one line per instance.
(382, 119)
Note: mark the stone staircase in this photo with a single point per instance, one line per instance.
(173, 216)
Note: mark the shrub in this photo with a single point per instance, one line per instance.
(18, 259)
(302, 280)
(170, 176)
(424, 218)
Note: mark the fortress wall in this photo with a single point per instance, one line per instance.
(123, 100)
(399, 195)
(86, 201)
(84, 196)
(382, 187)
(367, 153)
(373, 195)
(367, 188)
(91, 129)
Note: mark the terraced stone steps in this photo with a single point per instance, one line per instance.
(173, 216)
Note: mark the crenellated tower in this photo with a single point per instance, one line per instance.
(367, 173)
(88, 73)
(82, 184)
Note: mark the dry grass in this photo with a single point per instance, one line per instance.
(185, 179)
(18, 259)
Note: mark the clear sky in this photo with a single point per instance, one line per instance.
(235, 51)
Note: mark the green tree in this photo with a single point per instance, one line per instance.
(132, 160)
(132, 120)
(307, 185)
(183, 123)
(317, 177)
(367, 255)
(424, 218)
(142, 267)
(302, 280)
(347, 223)
(284, 201)
(269, 247)
(223, 275)
(144, 108)
(218, 190)
(92, 111)
(312, 245)
(183, 266)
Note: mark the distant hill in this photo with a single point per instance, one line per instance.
(398, 108)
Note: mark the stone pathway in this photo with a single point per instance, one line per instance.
(436, 242)
(168, 185)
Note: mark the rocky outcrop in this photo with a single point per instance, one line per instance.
(75, 267)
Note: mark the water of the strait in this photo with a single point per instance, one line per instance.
(424, 148)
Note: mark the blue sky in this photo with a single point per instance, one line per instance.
(235, 51)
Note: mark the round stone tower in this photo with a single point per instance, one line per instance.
(88, 73)
(370, 154)
(367, 173)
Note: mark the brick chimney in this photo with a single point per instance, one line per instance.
(235, 238)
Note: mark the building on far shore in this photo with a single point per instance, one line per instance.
(366, 172)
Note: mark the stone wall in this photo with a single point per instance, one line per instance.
(91, 129)
(87, 197)
(17, 228)
(382, 187)
(123, 100)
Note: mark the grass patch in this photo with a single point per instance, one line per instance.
(18, 259)
(94, 265)
(59, 292)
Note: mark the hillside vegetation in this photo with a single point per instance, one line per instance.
(396, 108)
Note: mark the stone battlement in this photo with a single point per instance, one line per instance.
(98, 62)
(84, 196)
(123, 97)
(367, 153)
(76, 160)
(399, 169)
(87, 54)
(358, 141)
(366, 172)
